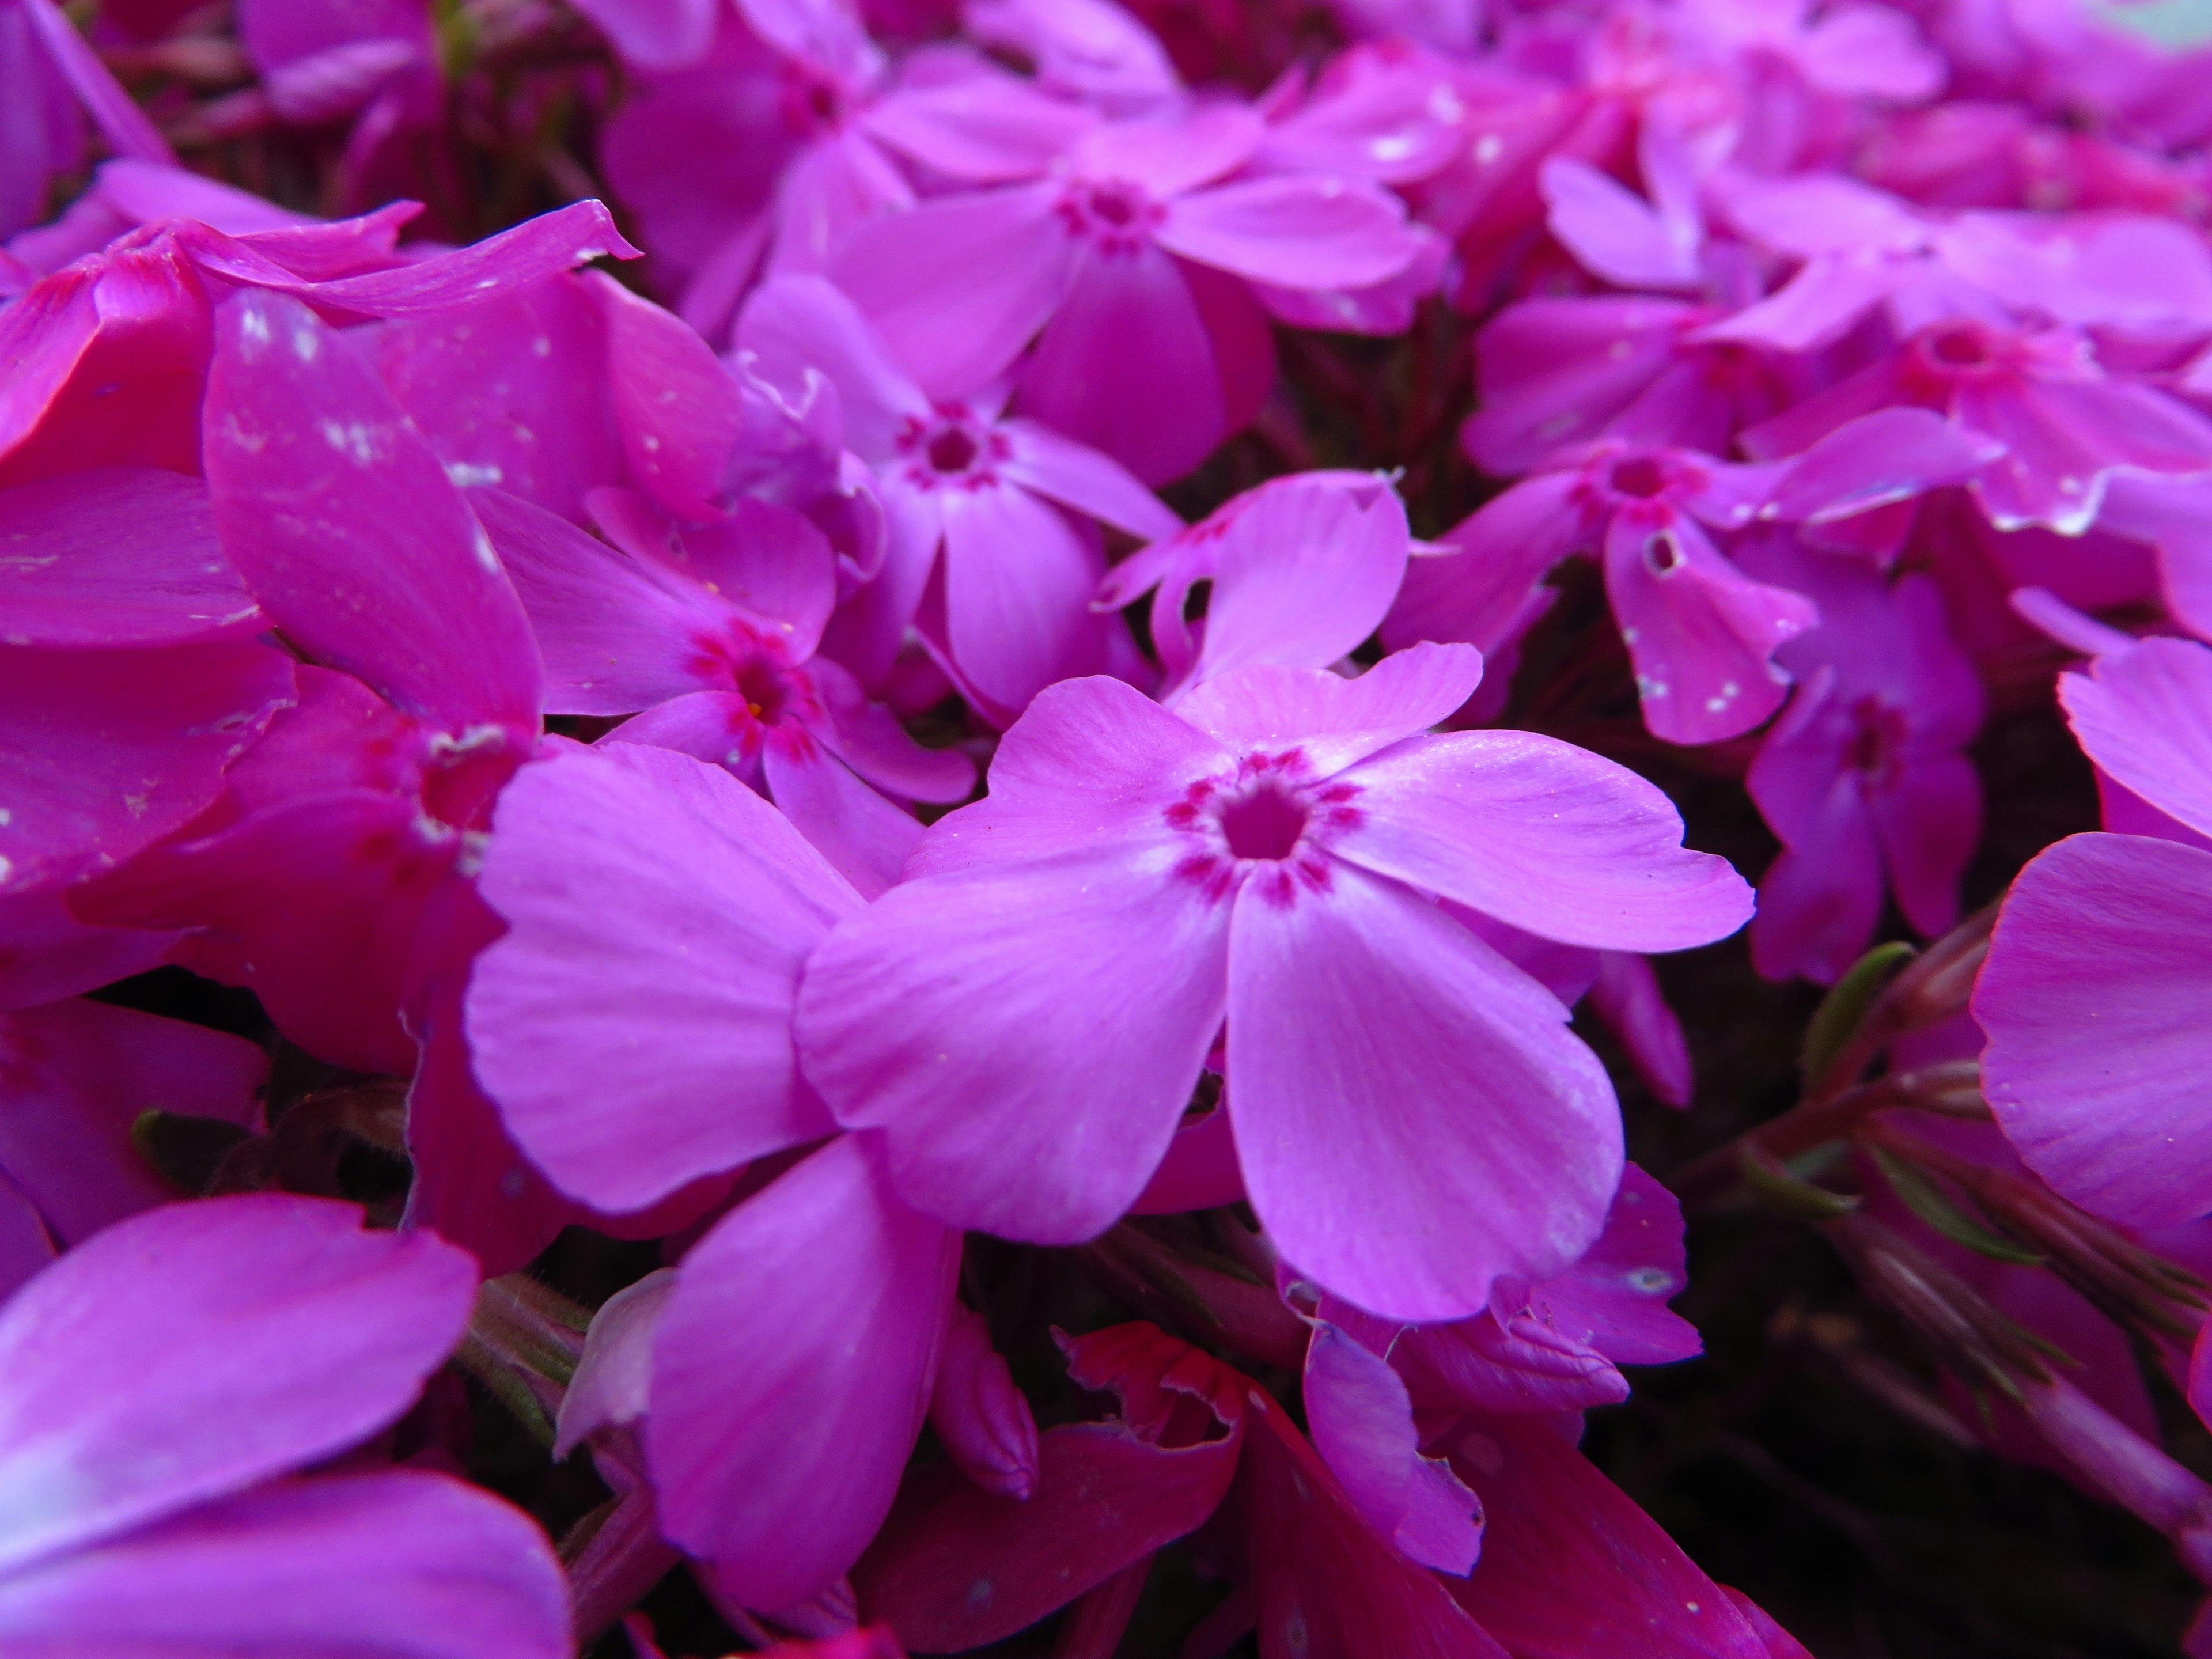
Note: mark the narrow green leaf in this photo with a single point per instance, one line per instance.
(1933, 1206)
(1843, 1009)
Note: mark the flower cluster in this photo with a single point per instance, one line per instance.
(1007, 735)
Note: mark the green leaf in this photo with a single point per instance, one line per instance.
(1844, 1008)
(1929, 1203)
(1769, 1181)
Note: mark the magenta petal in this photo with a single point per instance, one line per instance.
(346, 527)
(655, 35)
(957, 286)
(1090, 759)
(791, 1371)
(281, 1331)
(1627, 998)
(719, 901)
(866, 838)
(2108, 934)
(977, 1412)
(1387, 1164)
(1333, 721)
(1891, 455)
(1128, 366)
(1701, 634)
(617, 634)
(1544, 835)
(1613, 1299)
(1928, 822)
(794, 325)
(1820, 899)
(1295, 231)
(1305, 573)
(434, 1569)
(1362, 1423)
(117, 556)
(1076, 477)
(868, 737)
(1616, 233)
(104, 752)
(677, 407)
(1018, 577)
(1478, 590)
(46, 953)
(1026, 1034)
(2145, 717)
(25, 1247)
(1556, 1521)
(78, 1075)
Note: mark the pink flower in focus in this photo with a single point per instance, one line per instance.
(1260, 852)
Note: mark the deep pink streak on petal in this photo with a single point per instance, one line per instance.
(346, 527)
(116, 556)
(2145, 717)
(2111, 936)
(1412, 1116)
(1026, 1034)
(791, 1371)
(1295, 232)
(1332, 720)
(75, 1076)
(958, 285)
(1547, 836)
(658, 913)
(866, 838)
(1089, 758)
(1018, 577)
(281, 1330)
(1554, 1521)
(434, 1569)
(1128, 366)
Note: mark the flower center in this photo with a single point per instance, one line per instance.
(766, 689)
(1877, 737)
(1116, 214)
(1269, 821)
(1958, 348)
(1265, 823)
(1638, 475)
(952, 450)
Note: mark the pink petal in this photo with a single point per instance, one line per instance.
(25, 1245)
(79, 1075)
(1321, 1580)
(1333, 721)
(1555, 1521)
(720, 902)
(1891, 455)
(1026, 1035)
(127, 129)
(1293, 231)
(1544, 835)
(104, 752)
(1090, 759)
(1627, 998)
(2144, 715)
(988, 128)
(1555, 371)
(346, 527)
(1613, 232)
(613, 1383)
(1018, 577)
(1362, 1423)
(677, 407)
(791, 1371)
(46, 953)
(434, 1569)
(1082, 478)
(1613, 1299)
(1199, 1171)
(117, 556)
(2106, 934)
(512, 390)
(1477, 589)
(982, 1419)
(957, 286)
(865, 838)
(280, 1330)
(868, 737)
(1382, 1163)
(1304, 573)
(1821, 899)
(795, 323)
(655, 35)
(1700, 633)
(1128, 366)
(1928, 820)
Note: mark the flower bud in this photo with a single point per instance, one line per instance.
(980, 1415)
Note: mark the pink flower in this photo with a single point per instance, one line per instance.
(1701, 634)
(1132, 258)
(2113, 934)
(1261, 852)
(161, 1387)
(992, 551)
(1862, 778)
